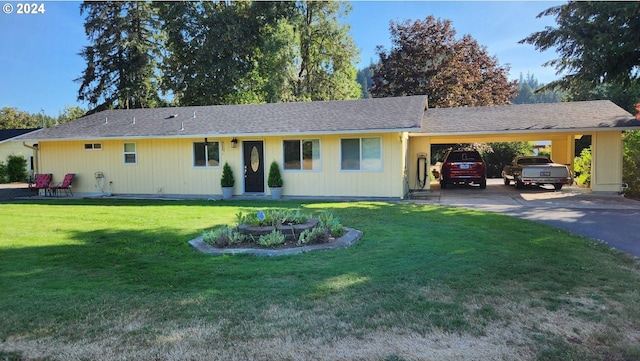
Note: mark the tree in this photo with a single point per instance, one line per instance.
(326, 53)
(365, 79)
(530, 91)
(499, 154)
(597, 41)
(121, 67)
(13, 118)
(426, 58)
(70, 113)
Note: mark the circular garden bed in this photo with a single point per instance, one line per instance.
(276, 232)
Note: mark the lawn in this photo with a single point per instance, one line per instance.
(116, 280)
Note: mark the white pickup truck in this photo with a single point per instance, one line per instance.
(536, 170)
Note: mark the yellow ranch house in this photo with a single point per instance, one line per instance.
(351, 148)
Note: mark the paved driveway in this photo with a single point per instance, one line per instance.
(610, 218)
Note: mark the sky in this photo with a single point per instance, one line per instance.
(39, 58)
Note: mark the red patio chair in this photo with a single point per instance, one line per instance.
(65, 185)
(43, 181)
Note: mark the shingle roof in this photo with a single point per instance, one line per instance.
(363, 115)
(347, 116)
(582, 115)
(6, 134)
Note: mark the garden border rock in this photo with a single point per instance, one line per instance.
(350, 237)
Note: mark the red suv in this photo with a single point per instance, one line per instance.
(463, 166)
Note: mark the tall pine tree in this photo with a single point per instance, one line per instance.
(122, 57)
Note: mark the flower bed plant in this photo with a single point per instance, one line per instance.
(275, 229)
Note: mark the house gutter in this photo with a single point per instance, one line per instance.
(35, 156)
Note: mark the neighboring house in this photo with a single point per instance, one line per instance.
(8, 146)
(352, 148)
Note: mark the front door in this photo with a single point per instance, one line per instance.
(253, 166)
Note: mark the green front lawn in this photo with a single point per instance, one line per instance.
(114, 279)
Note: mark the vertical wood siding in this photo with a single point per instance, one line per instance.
(165, 167)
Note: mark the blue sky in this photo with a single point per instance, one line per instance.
(39, 52)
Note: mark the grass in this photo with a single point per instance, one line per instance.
(116, 279)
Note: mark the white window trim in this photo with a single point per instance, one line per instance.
(360, 160)
(124, 153)
(206, 154)
(301, 140)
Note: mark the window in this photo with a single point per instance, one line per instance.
(93, 146)
(301, 154)
(206, 154)
(361, 154)
(130, 153)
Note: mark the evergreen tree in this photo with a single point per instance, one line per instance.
(121, 67)
(365, 79)
(530, 91)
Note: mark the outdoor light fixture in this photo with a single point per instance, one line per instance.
(234, 142)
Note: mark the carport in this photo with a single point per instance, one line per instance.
(560, 123)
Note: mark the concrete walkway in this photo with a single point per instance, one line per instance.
(612, 219)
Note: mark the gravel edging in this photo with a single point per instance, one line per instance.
(350, 237)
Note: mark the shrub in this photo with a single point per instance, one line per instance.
(582, 166)
(16, 168)
(271, 217)
(275, 178)
(272, 239)
(331, 223)
(4, 177)
(223, 236)
(227, 179)
(319, 234)
(631, 164)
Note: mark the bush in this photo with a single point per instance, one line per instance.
(271, 217)
(272, 239)
(4, 177)
(631, 164)
(17, 168)
(227, 179)
(223, 236)
(319, 234)
(275, 178)
(582, 167)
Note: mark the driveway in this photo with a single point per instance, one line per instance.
(612, 219)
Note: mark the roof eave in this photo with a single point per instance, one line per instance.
(231, 135)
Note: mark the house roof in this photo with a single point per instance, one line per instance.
(8, 134)
(518, 118)
(362, 115)
(347, 116)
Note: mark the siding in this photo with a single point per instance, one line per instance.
(165, 167)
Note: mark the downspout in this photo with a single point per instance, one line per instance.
(35, 156)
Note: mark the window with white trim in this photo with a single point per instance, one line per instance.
(301, 154)
(361, 154)
(130, 154)
(206, 154)
(92, 146)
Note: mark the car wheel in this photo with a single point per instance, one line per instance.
(557, 186)
(506, 181)
(483, 184)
